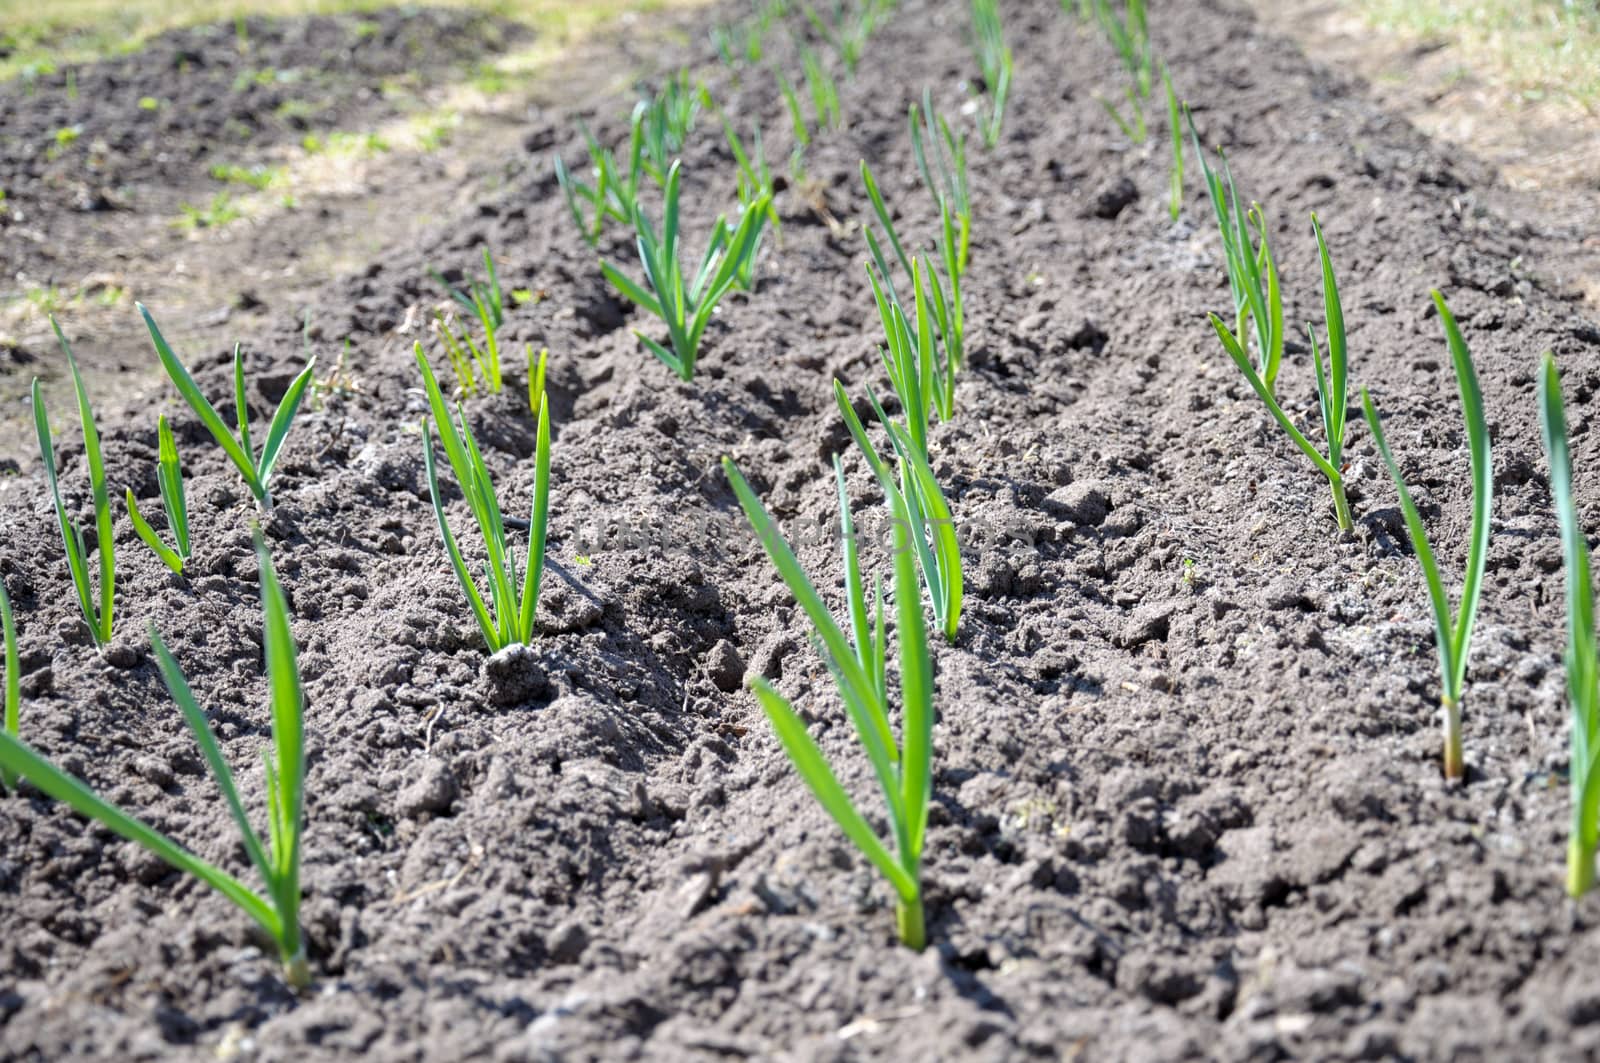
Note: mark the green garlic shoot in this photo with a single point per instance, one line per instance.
(1583, 665)
(169, 477)
(685, 305)
(1453, 635)
(96, 609)
(277, 861)
(256, 471)
(508, 616)
(904, 768)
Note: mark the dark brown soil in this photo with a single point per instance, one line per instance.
(138, 133)
(1187, 801)
(94, 218)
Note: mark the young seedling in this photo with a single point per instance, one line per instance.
(1175, 131)
(13, 682)
(508, 617)
(755, 185)
(1252, 274)
(949, 186)
(685, 308)
(614, 196)
(922, 382)
(536, 380)
(931, 526)
(747, 39)
(169, 476)
(881, 209)
(1583, 666)
(1130, 36)
(903, 769)
(1133, 127)
(947, 312)
(96, 609)
(256, 471)
(664, 122)
(824, 91)
(797, 118)
(278, 861)
(848, 31)
(1332, 387)
(994, 60)
(680, 103)
(471, 365)
(482, 300)
(735, 45)
(1453, 635)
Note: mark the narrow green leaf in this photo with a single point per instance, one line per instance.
(631, 289)
(916, 689)
(288, 742)
(278, 431)
(1482, 487)
(867, 651)
(169, 476)
(1333, 315)
(882, 211)
(538, 525)
(1230, 343)
(71, 540)
(20, 759)
(536, 379)
(106, 553)
(502, 577)
(794, 576)
(241, 408)
(672, 361)
(813, 768)
(12, 697)
(454, 449)
(1583, 669)
(206, 739)
(858, 432)
(942, 538)
(491, 633)
(1175, 207)
(204, 410)
(148, 535)
(1443, 633)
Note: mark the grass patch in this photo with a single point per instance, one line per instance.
(220, 211)
(257, 177)
(341, 142)
(39, 39)
(1539, 48)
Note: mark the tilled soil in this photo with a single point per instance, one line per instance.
(1187, 801)
(138, 133)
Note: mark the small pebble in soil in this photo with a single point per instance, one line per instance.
(725, 667)
(1084, 503)
(153, 770)
(122, 654)
(1148, 623)
(432, 791)
(1113, 197)
(567, 943)
(39, 683)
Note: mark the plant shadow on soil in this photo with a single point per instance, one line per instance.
(1186, 795)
